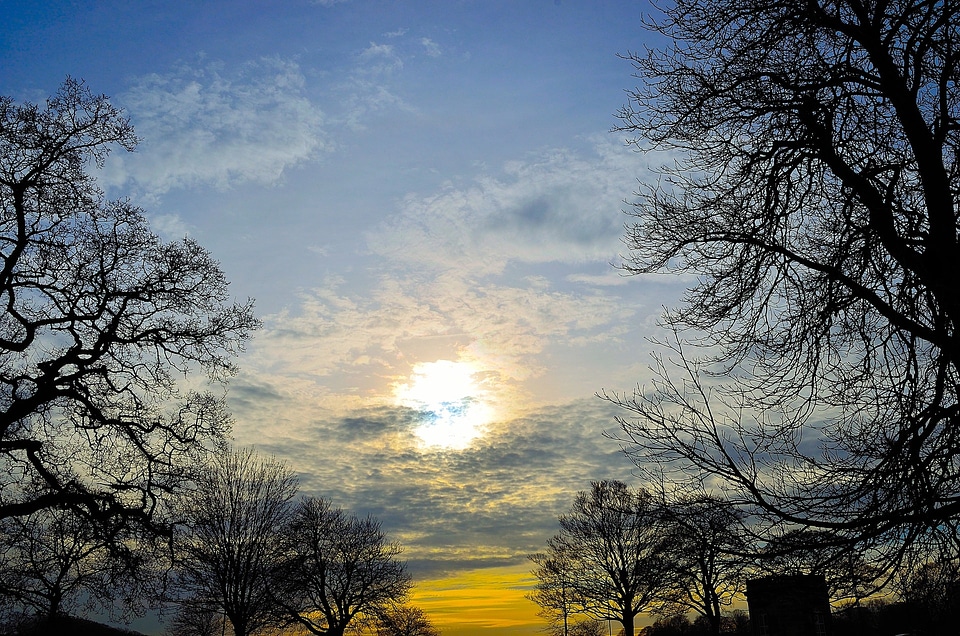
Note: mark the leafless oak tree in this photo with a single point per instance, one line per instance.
(53, 563)
(99, 321)
(706, 557)
(404, 620)
(341, 568)
(231, 546)
(617, 551)
(554, 591)
(815, 200)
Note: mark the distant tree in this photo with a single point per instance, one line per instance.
(554, 591)
(614, 540)
(933, 591)
(676, 625)
(587, 627)
(707, 556)
(813, 198)
(196, 618)
(99, 320)
(54, 563)
(848, 575)
(403, 620)
(340, 567)
(230, 545)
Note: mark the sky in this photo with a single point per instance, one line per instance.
(427, 203)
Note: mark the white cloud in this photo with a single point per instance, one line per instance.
(359, 343)
(557, 206)
(169, 226)
(208, 126)
(368, 89)
(380, 59)
(432, 48)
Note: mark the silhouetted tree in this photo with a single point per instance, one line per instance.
(53, 563)
(847, 574)
(196, 618)
(814, 200)
(706, 556)
(341, 567)
(554, 591)
(933, 591)
(99, 319)
(230, 547)
(587, 627)
(403, 620)
(614, 540)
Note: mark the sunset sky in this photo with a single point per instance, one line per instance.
(426, 201)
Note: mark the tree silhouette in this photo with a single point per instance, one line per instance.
(613, 545)
(53, 563)
(404, 620)
(99, 320)
(230, 546)
(815, 201)
(803, 551)
(554, 591)
(340, 567)
(706, 555)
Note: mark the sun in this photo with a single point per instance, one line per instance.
(453, 407)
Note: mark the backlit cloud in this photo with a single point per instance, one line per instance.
(487, 505)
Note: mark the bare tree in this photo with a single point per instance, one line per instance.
(815, 201)
(231, 544)
(99, 319)
(587, 627)
(554, 591)
(342, 567)
(617, 552)
(849, 577)
(933, 590)
(53, 563)
(404, 620)
(197, 618)
(707, 557)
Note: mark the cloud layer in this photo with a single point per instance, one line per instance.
(217, 126)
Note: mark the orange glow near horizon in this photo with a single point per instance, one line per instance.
(487, 602)
(480, 602)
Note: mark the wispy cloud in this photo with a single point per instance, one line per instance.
(556, 206)
(432, 48)
(379, 58)
(212, 125)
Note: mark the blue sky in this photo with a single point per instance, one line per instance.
(414, 192)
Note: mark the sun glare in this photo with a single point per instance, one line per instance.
(453, 407)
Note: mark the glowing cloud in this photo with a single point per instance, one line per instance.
(453, 406)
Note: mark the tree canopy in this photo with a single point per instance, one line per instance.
(608, 562)
(815, 200)
(99, 321)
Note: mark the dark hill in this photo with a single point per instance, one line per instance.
(71, 626)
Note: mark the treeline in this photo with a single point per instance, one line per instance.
(623, 552)
(244, 550)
